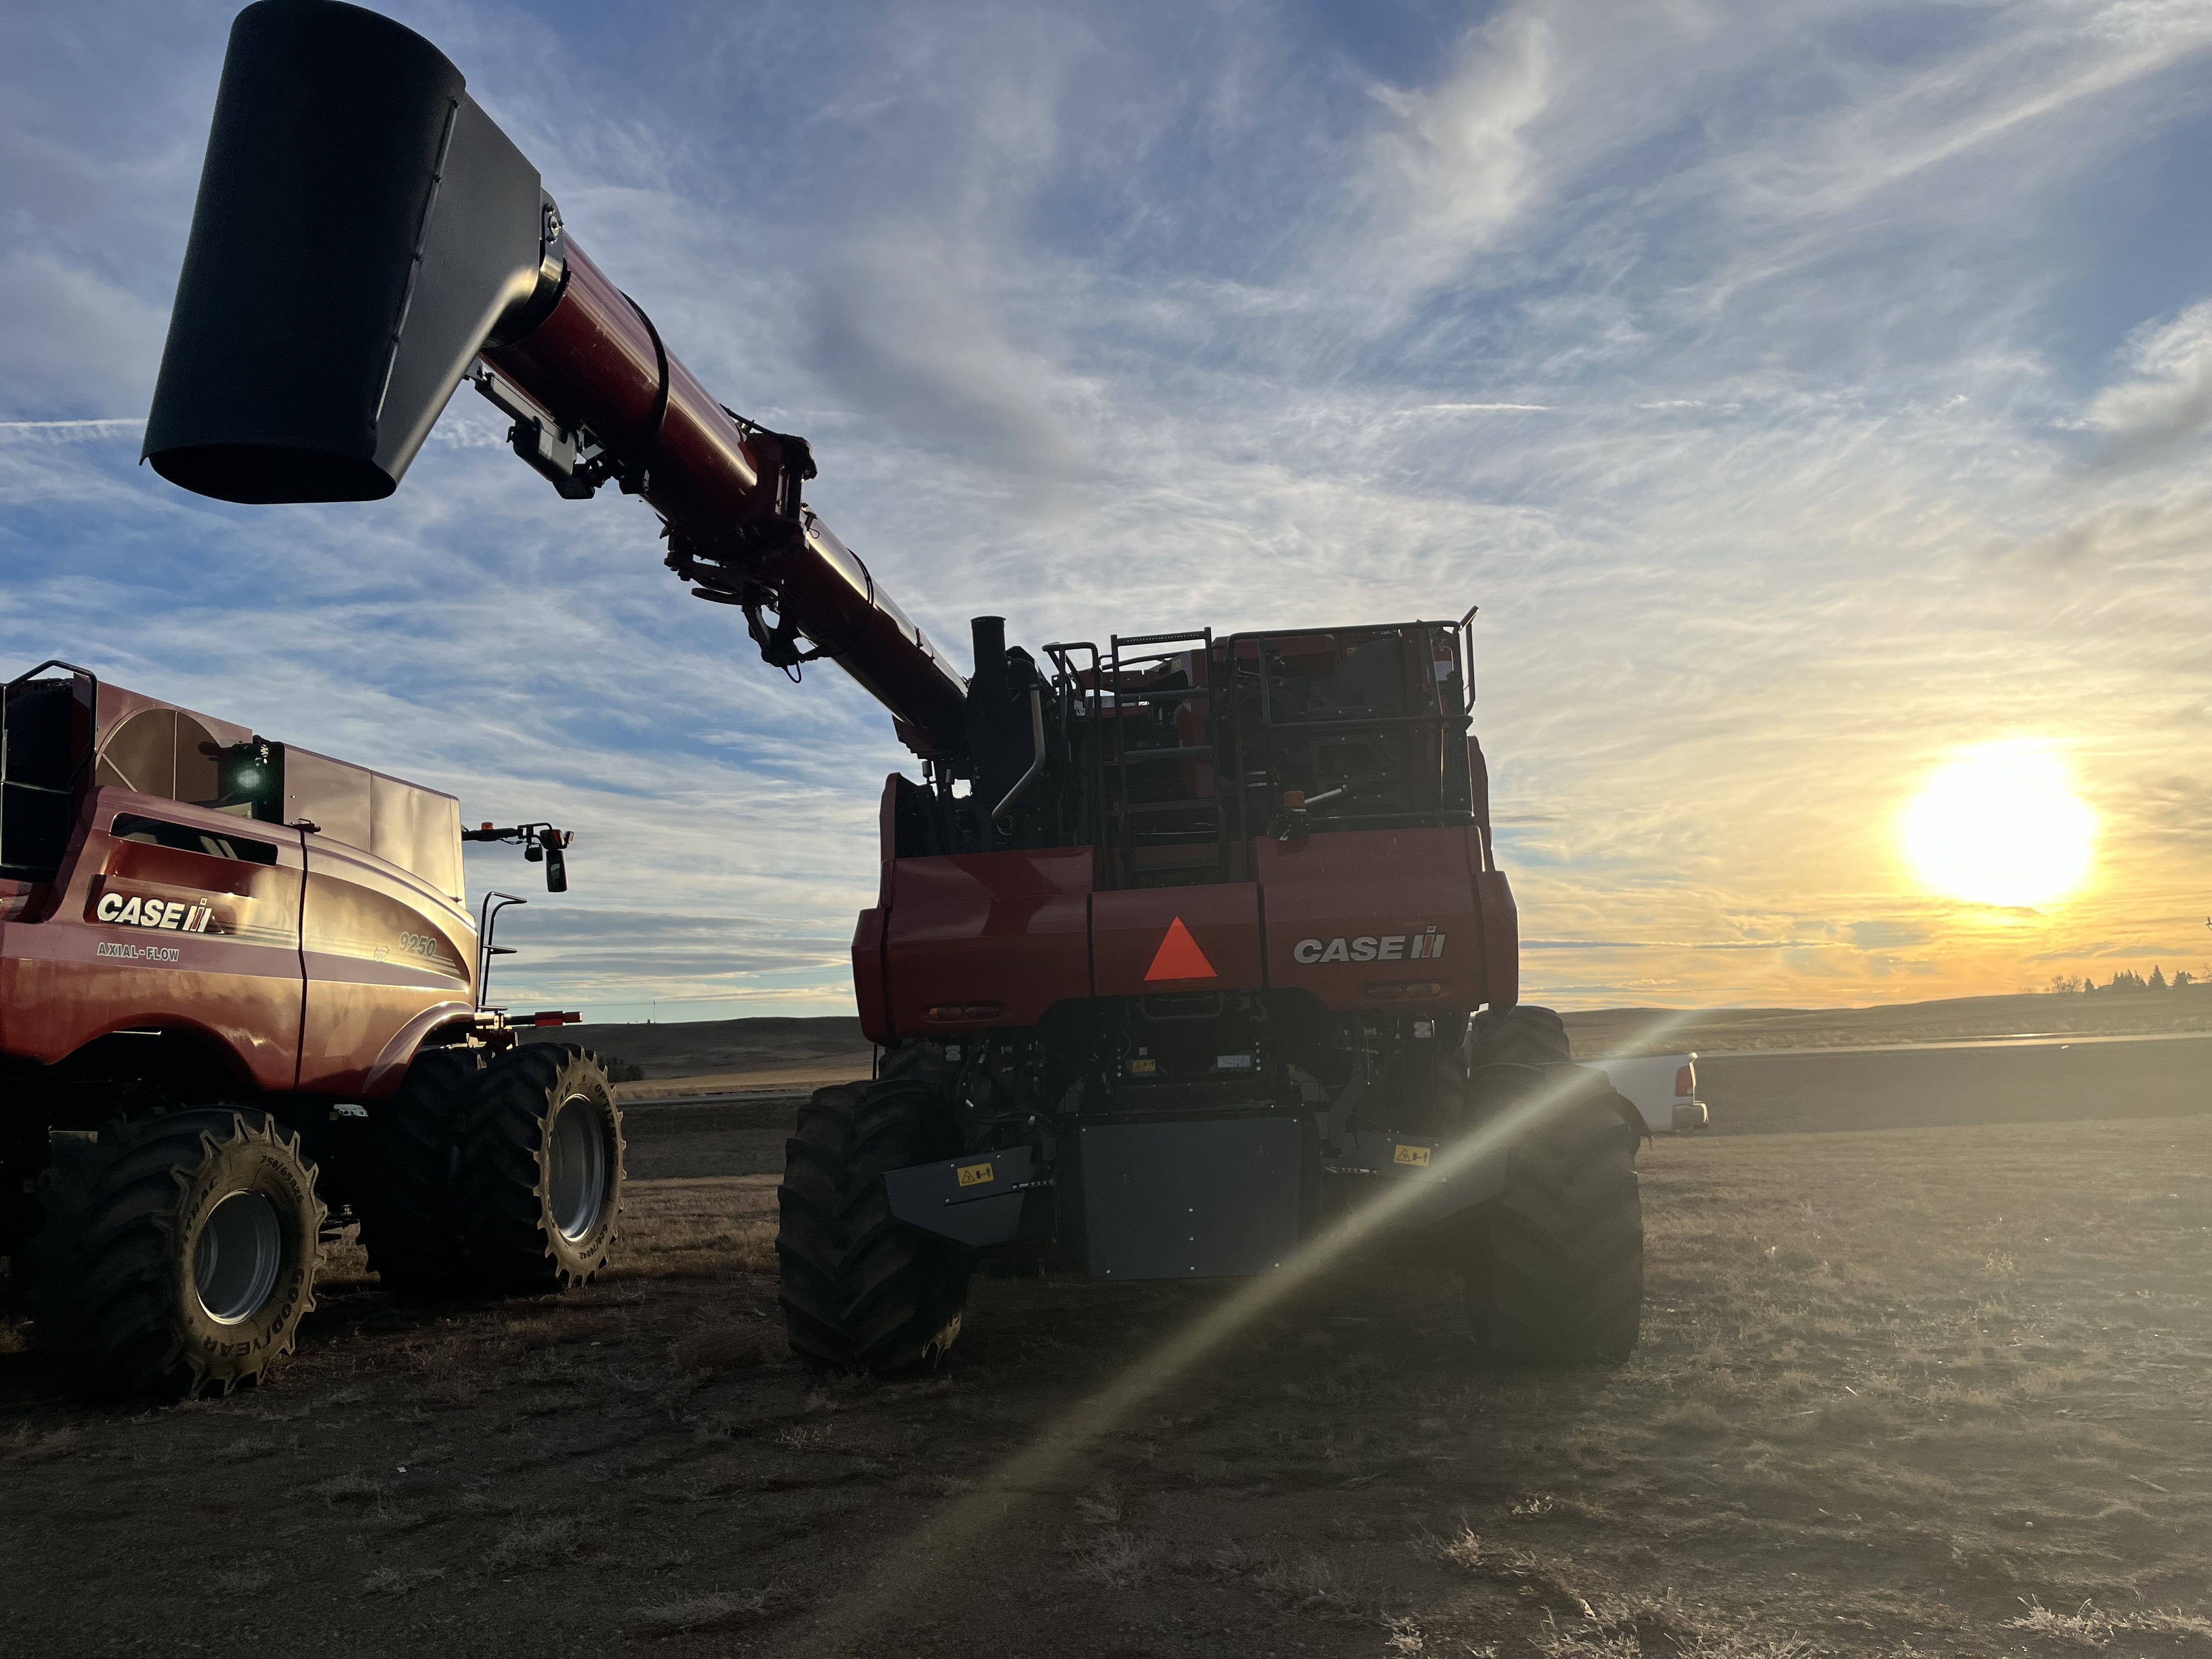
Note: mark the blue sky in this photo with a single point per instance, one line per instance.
(1807, 392)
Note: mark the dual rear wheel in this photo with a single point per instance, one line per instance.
(179, 1251)
(503, 1177)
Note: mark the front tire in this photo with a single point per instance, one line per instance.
(862, 1290)
(178, 1253)
(537, 1184)
(810, 1233)
(1526, 1035)
(1556, 1273)
(905, 1289)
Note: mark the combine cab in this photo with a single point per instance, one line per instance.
(238, 1010)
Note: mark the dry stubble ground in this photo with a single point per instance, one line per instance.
(1932, 1392)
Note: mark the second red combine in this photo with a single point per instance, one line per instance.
(1186, 945)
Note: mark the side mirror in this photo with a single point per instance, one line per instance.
(541, 843)
(556, 861)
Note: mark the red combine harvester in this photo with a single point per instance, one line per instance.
(1185, 943)
(239, 1007)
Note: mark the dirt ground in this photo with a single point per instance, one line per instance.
(1926, 1392)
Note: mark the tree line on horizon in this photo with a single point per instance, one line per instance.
(2126, 979)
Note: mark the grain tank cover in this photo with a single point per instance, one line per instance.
(418, 829)
(361, 229)
(156, 748)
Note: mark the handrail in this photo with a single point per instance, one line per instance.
(487, 923)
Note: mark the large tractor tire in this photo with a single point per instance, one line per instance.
(178, 1253)
(862, 1290)
(406, 1211)
(810, 1233)
(23, 1155)
(905, 1289)
(539, 1178)
(1556, 1270)
(1522, 1036)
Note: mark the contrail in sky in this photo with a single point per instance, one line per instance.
(101, 424)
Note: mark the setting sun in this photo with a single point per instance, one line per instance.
(2000, 825)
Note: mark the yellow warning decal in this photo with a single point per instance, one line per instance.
(979, 1175)
(1418, 1155)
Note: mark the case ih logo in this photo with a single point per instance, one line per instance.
(1372, 947)
(169, 916)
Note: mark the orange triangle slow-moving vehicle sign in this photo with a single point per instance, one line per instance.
(1179, 957)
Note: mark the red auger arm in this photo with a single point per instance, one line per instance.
(366, 238)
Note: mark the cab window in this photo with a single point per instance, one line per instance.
(153, 832)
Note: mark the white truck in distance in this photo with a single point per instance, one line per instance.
(1663, 1087)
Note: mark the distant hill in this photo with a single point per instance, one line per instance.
(1603, 1032)
(791, 1051)
(729, 1053)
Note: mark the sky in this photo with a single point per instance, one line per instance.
(1808, 394)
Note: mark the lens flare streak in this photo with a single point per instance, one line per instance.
(937, 1547)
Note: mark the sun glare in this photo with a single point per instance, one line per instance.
(2000, 825)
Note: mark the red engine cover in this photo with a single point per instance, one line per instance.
(1149, 939)
(990, 938)
(1381, 919)
(1376, 918)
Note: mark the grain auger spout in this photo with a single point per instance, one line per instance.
(366, 238)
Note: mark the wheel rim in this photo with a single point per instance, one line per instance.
(577, 1181)
(237, 1257)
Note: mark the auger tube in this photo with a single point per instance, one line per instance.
(365, 237)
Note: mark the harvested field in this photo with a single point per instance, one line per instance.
(1602, 1032)
(704, 1056)
(1924, 1392)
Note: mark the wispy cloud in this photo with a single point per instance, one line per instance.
(1873, 375)
(2167, 401)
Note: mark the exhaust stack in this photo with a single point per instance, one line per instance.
(362, 230)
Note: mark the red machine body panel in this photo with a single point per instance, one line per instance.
(1501, 938)
(223, 958)
(1363, 919)
(871, 990)
(316, 958)
(1145, 940)
(1370, 917)
(377, 958)
(990, 938)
